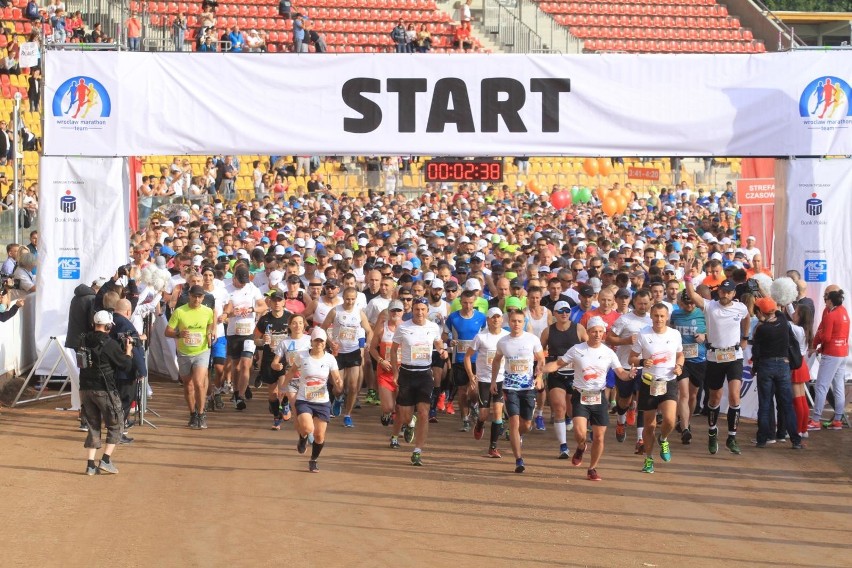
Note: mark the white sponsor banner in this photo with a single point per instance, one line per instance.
(819, 236)
(136, 103)
(83, 235)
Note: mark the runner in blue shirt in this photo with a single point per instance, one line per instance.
(689, 321)
(460, 329)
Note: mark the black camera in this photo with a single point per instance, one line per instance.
(126, 337)
(753, 285)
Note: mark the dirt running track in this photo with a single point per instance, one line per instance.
(238, 494)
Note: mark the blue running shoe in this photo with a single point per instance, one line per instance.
(539, 422)
(347, 422)
(336, 406)
(519, 465)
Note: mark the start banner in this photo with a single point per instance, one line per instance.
(136, 103)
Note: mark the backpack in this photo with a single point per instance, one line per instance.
(794, 355)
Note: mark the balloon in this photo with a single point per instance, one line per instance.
(601, 192)
(628, 195)
(575, 191)
(590, 166)
(560, 199)
(534, 187)
(604, 166)
(621, 203)
(609, 206)
(584, 195)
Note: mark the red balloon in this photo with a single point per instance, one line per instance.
(560, 199)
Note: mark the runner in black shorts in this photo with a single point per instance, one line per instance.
(271, 329)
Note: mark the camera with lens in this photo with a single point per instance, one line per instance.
(753, 286)
(126, 337)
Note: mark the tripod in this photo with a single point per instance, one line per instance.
(142, 389)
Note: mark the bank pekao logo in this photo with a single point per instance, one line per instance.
(81, 103)
(825, 102)
(68, 203)
(813, 206)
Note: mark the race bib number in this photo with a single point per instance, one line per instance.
(726, 355)
(659, 387)
(519, 366)
(462, 346)
(590, 398)
(489, 358)
(421, 352)
(244, 328)
(276, 338)
(315, 389)
(193, 339)
(690, 350)
(346, 334)
(249, 346)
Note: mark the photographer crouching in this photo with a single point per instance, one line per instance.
(123, 331)
(99, 357)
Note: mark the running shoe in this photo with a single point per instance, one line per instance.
(465, 426)
(394, 442)
(240, 403)
(686, 437)
(208, 405)
(104, 467)
(494, 453)
(577, 459)
(569, 425)
(194, 422)
(369, 398)
(833, 425)
(91, 470)
(433, 416)
(781, 437)
(286, 412)
(478, 430)
(539, 422)
(441, 404)
(313, 467)
(649, 465)
(449, 408)
(814, 425)
(592, 475)
(804, 434)
(218, 403)
(713, 442)
(336, 406)
(302, 444)
(385, 419)
(665, 451)
(731, 444)
(474, 412)
(519, 465)
(631, 415)
(408, 434)
(276, 423)
(257, 382)
(125, 439)
(83, 427)
(229, 387)
(757, 444)
(347, 422)
(416, 459)
(620, 432)
(795, 446)
(248, 394)
(563, 452)
(640, 448)
(376, 399)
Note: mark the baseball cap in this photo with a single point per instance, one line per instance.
(197, 291)
(472, 284)
(276, 294)
(561, 305)
(395, 305)
(437, 284)
(494, 312)
(319, 333)
(407, 265)
(586, 291)
(516, 283)
(766, 305)
(728, 286)
(513, 303)
(622, 293)
(596, 321)
(451, 285)
(596, 284)
(311, 260)
(103, 317)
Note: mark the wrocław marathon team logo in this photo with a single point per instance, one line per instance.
(81, 103)
(824, 103)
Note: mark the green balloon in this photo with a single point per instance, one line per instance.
(575, 191)
(584, 195)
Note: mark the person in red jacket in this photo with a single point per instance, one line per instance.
(832, 342)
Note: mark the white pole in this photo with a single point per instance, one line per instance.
(16, 155)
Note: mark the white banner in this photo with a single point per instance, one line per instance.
(136, 103)
(29, 54)
(819, 236)
(83, 235)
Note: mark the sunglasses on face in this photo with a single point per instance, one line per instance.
(563, 312)
(406, 299)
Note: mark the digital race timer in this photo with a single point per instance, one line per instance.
(458, 170)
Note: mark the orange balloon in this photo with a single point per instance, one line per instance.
(534, 187)
(590, 166)
(628, 195)
(601, 192)
(604, 166)
(610, 206)
(621, 204)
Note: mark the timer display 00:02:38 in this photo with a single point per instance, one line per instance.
(463, 170)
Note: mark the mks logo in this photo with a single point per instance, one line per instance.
(816, 270)
(825, 98)
(81, 103)
(69, 268)
(68, 203)
(813, 206)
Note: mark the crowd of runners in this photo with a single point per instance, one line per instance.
(485, 306)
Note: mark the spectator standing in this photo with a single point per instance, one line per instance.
(179, 30)
(398, 36)
(134, 32)
(34, 89)
(299, 35)
(237, 39)
(410, 38)
(424, 39)
(57, 21)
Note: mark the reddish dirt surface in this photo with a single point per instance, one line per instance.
(238, 494)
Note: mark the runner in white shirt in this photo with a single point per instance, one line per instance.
(591, 360)
(660, 348)
(244, 305)
(484, 345)
(728, 329)
(219, 350)
(289, 353)
(411, 357)
(380, 347)
(350, 334)
(623, 335)
(327, 302)
(315, 370)
(374, 308)
(521, 350)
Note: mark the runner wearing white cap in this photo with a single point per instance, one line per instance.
(483, 348)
